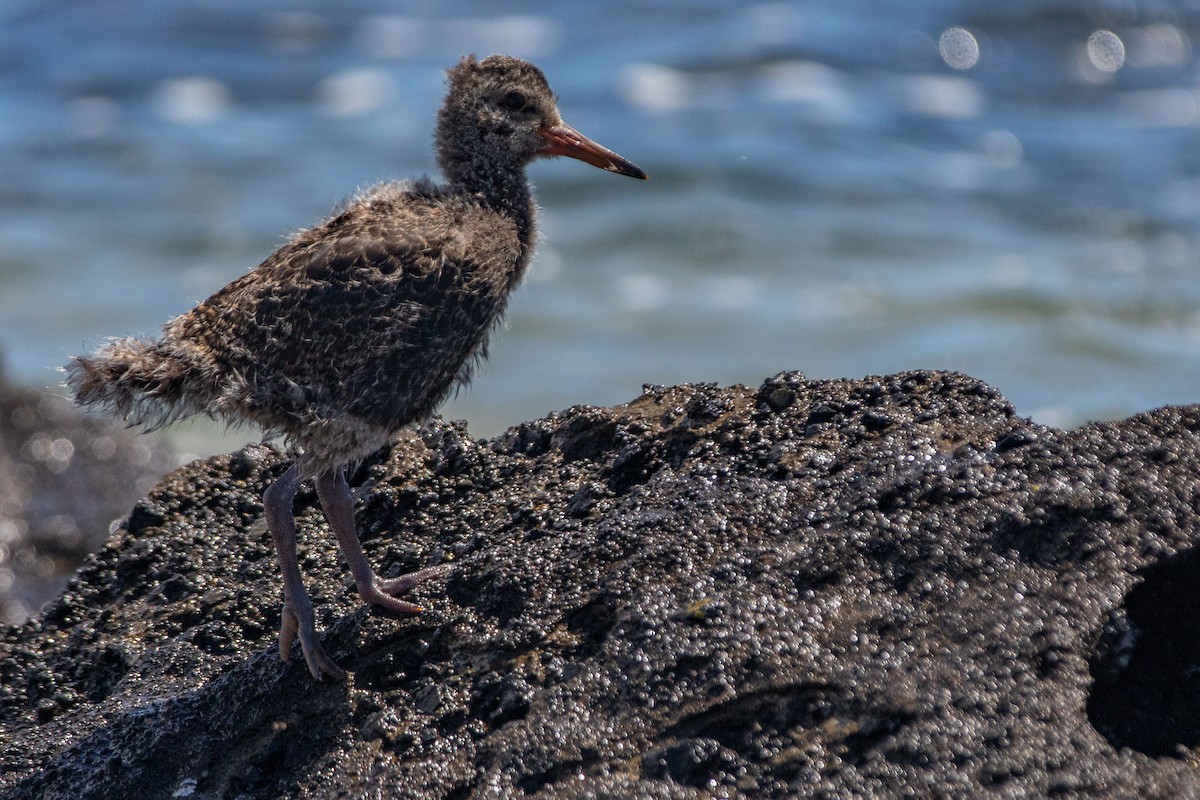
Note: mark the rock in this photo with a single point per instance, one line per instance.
(887, 587)
(65, 477)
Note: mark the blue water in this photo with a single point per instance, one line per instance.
(843, 188)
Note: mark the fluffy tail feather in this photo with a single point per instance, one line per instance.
(145, 382)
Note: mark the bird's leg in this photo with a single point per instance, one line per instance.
(298, 616)
(338, 505)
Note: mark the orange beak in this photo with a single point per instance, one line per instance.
(563, 140)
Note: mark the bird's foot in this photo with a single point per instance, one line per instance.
(382, 592)
(298, 620)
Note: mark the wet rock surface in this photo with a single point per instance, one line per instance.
(65, 477)
(882, 587)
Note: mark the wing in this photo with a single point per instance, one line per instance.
(372, 313)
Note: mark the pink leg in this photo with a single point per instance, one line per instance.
(297, 607)
(338, 505)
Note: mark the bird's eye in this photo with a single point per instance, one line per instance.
(513, 101)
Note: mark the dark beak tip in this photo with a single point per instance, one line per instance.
(630, 170)
(627, 168)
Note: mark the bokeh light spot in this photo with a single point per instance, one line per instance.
(958, 48)
(1106, 51)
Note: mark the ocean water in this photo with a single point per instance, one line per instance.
(843, 188)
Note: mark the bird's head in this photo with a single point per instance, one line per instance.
(500, 114)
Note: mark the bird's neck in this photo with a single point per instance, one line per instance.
(503, 188)
(500, 186)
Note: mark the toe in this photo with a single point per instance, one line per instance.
(320, 664)
(402, 584)
(297, 623)
(287, 634)
(376, 597)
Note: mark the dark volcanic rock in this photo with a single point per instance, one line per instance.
(890, 587)
(65, 476)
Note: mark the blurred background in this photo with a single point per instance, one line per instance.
(839, 187)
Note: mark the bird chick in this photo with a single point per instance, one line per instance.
(362, 324)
